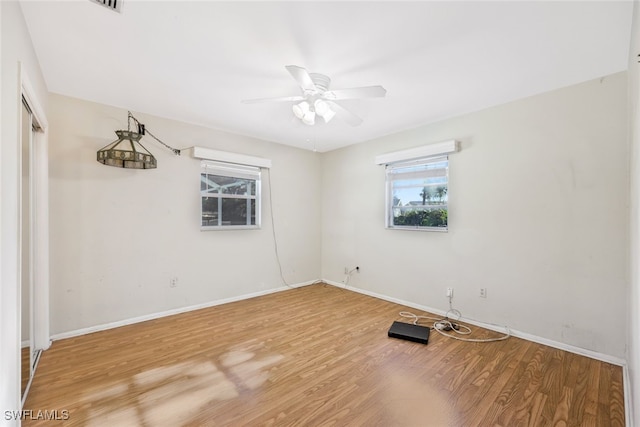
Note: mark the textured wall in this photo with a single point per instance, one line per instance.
(118, 236)
(538, 215)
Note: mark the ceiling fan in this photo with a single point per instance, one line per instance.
(318, 100)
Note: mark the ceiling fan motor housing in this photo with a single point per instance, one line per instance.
(321, 81)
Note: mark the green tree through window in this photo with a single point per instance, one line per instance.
(418, 192)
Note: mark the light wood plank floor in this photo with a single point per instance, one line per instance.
(25, 368)
(315, 356)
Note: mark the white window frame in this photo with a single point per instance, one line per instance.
(233, 171)
(392, 170)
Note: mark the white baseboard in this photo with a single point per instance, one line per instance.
(529, 337)
(626, 380)
(519, 334)
(117, 324)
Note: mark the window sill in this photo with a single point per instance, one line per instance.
(406, 228)
(230, 227)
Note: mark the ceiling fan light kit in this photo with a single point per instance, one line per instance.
(321, 107)
(317, 99)
(328, 115)
(299, 110)
(309, 118)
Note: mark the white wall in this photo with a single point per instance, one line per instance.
(522, 218)
(538, 216)
(634, 293)
(118, 236)
(17, 51)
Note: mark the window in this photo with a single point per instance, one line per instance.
(230, 196)
(417, 194)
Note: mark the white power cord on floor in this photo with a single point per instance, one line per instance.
(449, 327)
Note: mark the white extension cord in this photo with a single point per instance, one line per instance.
(347, 276)
(450, 328)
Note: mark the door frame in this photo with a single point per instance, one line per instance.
(40, 226)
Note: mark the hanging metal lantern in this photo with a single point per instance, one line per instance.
(127, 152)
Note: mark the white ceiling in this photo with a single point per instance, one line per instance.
(195, 60)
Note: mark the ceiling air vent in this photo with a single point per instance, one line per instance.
(114, 5)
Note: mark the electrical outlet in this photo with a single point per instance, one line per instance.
(173, 282)
(449, 292)
(483, 292)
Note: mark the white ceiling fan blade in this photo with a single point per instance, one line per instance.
(278, 99)
(301, 75)
(356, 92)
(345, 114)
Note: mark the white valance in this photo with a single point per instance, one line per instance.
(228, 157)
(430, 150)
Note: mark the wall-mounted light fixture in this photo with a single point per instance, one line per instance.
(127, 151)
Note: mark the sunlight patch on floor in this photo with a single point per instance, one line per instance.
(174, 394)
(409, 401)
(171, 395)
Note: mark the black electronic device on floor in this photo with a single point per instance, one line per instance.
(409, 332)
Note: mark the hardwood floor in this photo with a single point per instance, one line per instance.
(25, 368)
(312, 356)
